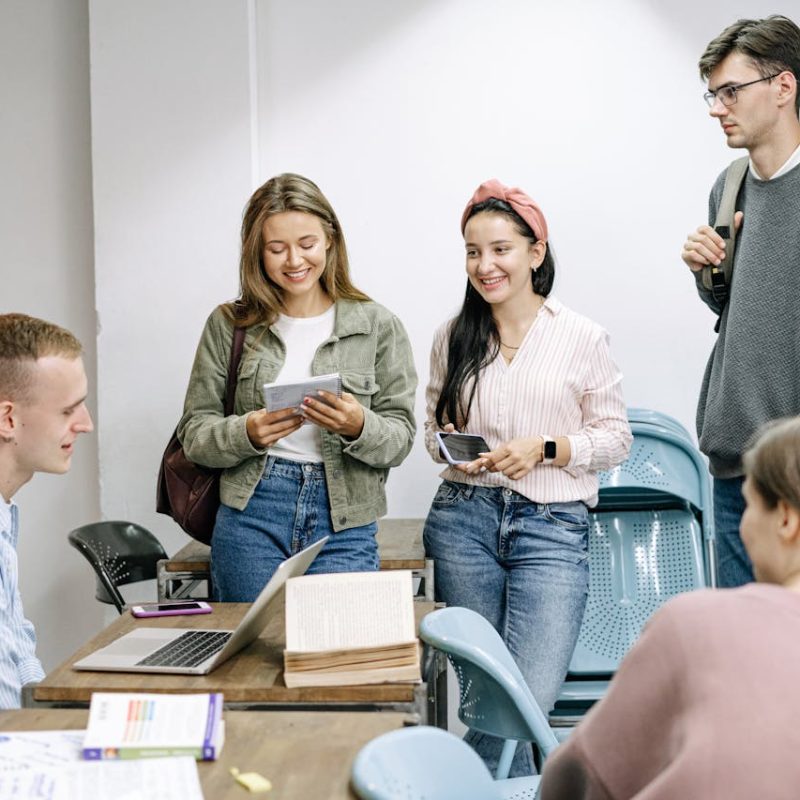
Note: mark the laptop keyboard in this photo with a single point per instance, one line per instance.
(188, 650)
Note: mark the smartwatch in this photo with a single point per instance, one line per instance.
(549, 450)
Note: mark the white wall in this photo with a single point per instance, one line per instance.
(594, 108)
(398, 110)
(171, 161)
(46, 268)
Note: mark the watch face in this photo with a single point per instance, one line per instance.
(550, 449)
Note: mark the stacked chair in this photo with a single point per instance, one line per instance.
(494, 698)
(651, 537)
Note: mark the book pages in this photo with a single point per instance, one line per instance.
(349, 610)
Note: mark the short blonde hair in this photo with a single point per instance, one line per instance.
(24, 340)
(772, 463)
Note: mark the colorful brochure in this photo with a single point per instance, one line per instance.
(123, 725)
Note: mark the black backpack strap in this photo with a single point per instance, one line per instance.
(717, 278)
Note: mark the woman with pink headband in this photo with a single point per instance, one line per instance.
(508, 531)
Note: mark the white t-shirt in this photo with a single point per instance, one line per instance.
(302, 336)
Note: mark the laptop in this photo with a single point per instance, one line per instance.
(191, 651)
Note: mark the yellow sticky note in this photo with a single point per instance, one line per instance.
(251, 781)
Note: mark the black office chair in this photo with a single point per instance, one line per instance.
(119, 552)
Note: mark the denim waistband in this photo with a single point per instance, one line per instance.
(502, 494)
(314, 470)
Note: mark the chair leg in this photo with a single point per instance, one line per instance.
(506, 757)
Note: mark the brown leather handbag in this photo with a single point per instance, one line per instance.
(188, 492)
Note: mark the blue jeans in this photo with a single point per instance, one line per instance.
(733, 564)
(288, 511)
(522, 565)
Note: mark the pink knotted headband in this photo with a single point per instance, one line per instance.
(516, 198)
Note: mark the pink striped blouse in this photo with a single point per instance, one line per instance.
(561, 382)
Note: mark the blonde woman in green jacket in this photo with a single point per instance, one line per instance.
(291, 478)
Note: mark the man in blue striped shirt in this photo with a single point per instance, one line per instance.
(42, 412)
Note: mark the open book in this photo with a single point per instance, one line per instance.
(351, 628)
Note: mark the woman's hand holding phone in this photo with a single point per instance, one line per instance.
(463, 451)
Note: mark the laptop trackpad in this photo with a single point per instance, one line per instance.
(142, 641)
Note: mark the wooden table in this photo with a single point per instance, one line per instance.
(399, 547)
(306, 755)
(253, 678)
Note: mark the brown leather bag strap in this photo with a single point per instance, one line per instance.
(237, 345)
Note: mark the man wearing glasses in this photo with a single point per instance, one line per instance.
(753, 374)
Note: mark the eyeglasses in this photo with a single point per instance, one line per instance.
(727, 94)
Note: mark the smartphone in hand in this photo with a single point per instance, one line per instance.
(461, 448)
(170, 609)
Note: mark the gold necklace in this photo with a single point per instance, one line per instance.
(508, 346)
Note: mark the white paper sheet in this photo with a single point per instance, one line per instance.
(39, 749)
(140, 779)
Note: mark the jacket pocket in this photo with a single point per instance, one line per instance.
(361, 385)
(253, 374)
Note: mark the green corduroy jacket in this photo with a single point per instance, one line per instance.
(369, 348)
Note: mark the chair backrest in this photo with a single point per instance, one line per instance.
(638, 559)
(421, 763)
(659, 418)
(494, 697)
(664, 468)
(119, 552)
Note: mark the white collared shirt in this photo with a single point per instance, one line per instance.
(561, 382)
(790, 163)
(18, 662)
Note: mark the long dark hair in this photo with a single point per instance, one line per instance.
(473, 340)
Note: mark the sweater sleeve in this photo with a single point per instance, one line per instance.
(631, 736)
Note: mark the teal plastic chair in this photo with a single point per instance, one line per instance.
(653, 417)
(421, 763)
(651, 537)
(494, 697)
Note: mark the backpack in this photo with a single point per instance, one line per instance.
(717, 278)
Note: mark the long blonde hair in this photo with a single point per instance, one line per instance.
(260, 299)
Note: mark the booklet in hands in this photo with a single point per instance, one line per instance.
(351, 628)
(290, 395)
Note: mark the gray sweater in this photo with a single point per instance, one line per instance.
(753, 373)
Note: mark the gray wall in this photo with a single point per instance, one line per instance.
(46, 265)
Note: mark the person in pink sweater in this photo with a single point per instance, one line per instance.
(706, 703)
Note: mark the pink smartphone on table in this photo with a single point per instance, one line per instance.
(170, 609)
